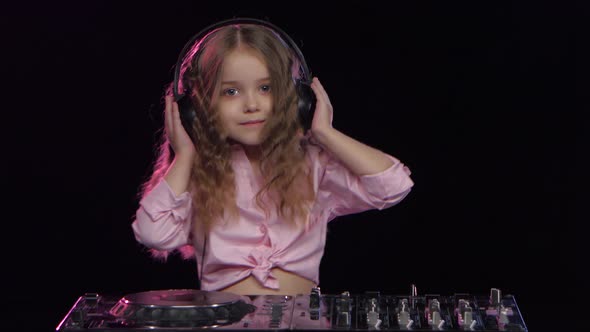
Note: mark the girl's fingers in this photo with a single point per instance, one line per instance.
(316, 89)
(176, 115)
(322, 91)
(168, 116)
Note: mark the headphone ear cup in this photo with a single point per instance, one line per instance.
(306, 103)
(187, 114)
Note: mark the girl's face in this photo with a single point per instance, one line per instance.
(245, 100)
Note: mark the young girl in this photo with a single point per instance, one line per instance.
(246, 187)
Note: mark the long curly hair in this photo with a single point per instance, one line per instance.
(287, 180)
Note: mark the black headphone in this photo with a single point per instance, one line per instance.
(306, 96)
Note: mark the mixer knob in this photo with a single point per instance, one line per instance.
(314, 303)
(403, 305)
(343, 309)
(314, 299)
(433, 313)
(403, 315)
(465, 314)
(503, 318)
(373, 313)
(434, 305)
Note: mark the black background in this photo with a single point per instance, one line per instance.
(484, 101)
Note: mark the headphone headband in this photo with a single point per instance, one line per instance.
(239, 20)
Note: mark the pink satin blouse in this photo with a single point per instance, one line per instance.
(255, 244)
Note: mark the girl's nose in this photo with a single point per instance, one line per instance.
(251, 103)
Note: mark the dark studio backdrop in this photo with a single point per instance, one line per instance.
(481, 100)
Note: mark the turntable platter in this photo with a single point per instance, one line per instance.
(181, 298)
(180, 308)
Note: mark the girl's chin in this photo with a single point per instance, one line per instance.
(250, 143)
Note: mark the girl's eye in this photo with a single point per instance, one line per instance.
(230, 92)
(265, 88)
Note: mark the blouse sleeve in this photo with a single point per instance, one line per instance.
(162, 220)
(342, 192)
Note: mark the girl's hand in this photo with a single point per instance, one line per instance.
(323, 115)
(179, 139)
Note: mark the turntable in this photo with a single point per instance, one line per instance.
(189, 309)
(179, 308)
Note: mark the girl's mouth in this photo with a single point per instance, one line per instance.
(252, 123)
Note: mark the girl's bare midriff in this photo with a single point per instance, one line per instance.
(290, 284)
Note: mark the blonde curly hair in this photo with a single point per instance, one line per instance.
(287, 180)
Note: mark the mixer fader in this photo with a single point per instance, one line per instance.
(460, 312)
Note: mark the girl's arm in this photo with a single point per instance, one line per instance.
(179, 173)
(162, 220)
(360, 158)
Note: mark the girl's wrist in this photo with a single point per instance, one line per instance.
(322, 135)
